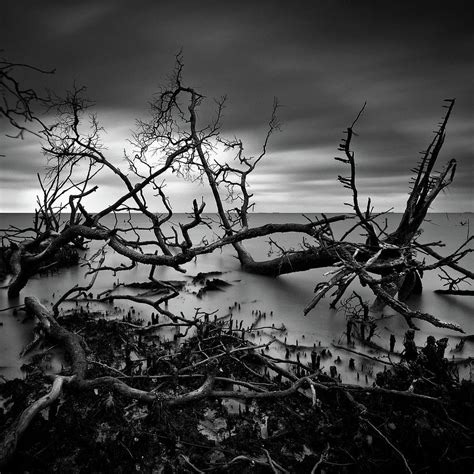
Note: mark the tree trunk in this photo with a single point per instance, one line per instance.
(288, 263)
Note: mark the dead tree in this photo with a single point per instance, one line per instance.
(392, 255)
(174, 140)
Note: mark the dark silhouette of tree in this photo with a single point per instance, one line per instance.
(175, 140)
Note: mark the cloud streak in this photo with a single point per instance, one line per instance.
(322, 59)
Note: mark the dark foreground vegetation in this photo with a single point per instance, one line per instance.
(209, 399)
(167, 410)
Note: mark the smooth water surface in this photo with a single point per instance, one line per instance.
(285, 296)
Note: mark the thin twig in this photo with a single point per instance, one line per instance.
(400, 454)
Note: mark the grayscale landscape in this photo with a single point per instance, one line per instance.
(235, 237)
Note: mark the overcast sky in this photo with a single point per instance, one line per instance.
(322, 59)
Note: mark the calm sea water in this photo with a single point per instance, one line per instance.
(285, 296)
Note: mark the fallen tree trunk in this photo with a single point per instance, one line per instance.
(72, 343)
(25, 264)
(290, 262)
(17, 430)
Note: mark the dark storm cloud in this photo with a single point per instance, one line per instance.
(322, 59)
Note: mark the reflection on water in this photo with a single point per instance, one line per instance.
(285, 296)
